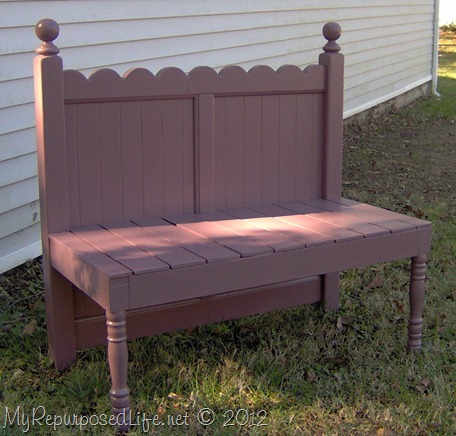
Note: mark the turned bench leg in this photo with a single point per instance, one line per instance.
(416, 295)
(118, 365)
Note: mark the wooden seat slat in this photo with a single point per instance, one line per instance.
(197, 244)
(337, 233)
(244, 213)
(263, 217)
(308, 237)
(196, 217)
(308, 223)
(275, 240)
(119, 249)
(278, 209)
(243, 245)
(417, 222)
(357, 215)
(87, 253)
(161, 248)
(339, 219)
(311, 232)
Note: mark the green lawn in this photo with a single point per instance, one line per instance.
(446, 105)
(298, 371)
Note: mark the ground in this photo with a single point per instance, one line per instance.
(399, 155)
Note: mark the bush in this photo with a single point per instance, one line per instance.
(451, 27)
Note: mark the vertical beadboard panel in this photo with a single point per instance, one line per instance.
(304, 139)
(271, 146)
(140, 161)
(267, 149)
(234, 154)
(112, 206)
(89, 175)
(220, 153)
(152, 157)
(316, 157)
(172, 156)
(205, 153)
(71, 136)
(188, 156)
(287, 152)
(177, 137)
(253, 150)
(131, 146)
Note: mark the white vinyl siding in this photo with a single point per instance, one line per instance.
(388, 46)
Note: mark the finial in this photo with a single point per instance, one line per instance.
(332, 32)
(47, 30)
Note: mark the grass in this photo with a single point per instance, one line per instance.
(446, 105)
(299, 371)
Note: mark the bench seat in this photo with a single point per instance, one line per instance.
(161, 260)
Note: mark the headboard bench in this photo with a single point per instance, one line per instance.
(174, 200)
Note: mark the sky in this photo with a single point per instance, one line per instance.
(447, 13)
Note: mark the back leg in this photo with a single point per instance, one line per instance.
(59, 318)
(331, 291)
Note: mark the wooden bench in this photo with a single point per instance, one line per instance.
(174, 200)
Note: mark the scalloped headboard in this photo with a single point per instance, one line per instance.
(144, 145)
(114, 148)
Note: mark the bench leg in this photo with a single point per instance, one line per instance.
(331, 291)
(118, 365)
(416, 295)
(59, 318)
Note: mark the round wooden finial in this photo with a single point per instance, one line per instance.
(47, 30)
(332, 32)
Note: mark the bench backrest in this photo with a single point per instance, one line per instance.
(114, 148)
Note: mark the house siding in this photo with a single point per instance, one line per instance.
(388, 46)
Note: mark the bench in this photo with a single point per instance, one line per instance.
(173, 200)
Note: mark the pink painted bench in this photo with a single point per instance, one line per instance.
(175, 200)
